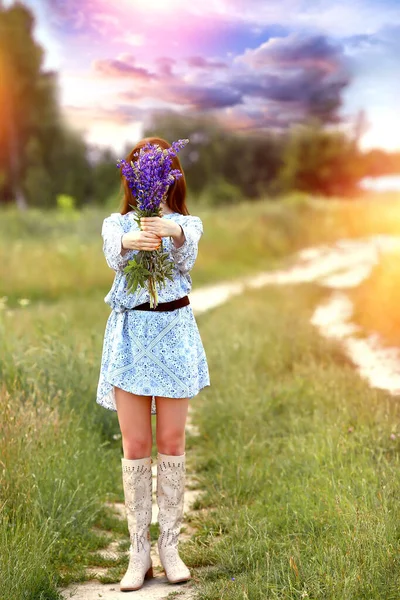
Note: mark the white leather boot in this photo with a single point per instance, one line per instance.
(171, 472)
(138, 487)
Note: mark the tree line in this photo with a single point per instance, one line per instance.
(42, 158)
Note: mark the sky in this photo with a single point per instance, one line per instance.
(253, 64)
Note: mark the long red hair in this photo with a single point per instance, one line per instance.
(176, 196)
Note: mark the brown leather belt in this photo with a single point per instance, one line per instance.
(164, 306)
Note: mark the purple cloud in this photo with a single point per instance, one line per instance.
(197, 97)
(201, 97)
(296, 51)
(200, 62)
(122, 68)
(308, 72)
(165, 65)
(300, 75)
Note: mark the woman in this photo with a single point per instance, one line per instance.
(153, 362)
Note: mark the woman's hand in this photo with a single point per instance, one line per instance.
(140, 240)
(163, 228)
(160, 227)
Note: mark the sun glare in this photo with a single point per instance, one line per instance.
(384, 131)
(155, 6)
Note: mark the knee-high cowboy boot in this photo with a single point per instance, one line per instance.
(171, 472)
(138, 485)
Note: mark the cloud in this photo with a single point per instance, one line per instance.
(165, 65)
(300, 75)
(203, 63)
(122, 68)
(296, 51)
(315, 94)
(201, 97)
(310, 72)
(242, 61)
(72, 15)
(195, 97)
(361, 42)
(167, 86)
(335, 19)
(383, 43)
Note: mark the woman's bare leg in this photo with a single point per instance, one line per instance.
(170, 426)
(171, 476)
(134, 416)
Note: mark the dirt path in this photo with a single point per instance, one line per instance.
(338, 266)
(157, 588)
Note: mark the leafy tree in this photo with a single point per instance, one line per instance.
(20, 64)
(105, 177)
(319, 161)
(252, 162)
(37, 179)
(249, 163)
(40, 156)
(202, 159)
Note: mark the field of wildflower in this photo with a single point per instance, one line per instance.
(295, 453)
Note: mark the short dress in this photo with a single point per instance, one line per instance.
(151, 353)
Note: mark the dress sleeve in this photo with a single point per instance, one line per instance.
(186, 255)
(112, 233)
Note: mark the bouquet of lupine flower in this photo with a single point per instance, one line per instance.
(149, 178)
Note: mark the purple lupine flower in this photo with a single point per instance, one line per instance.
(150, 176)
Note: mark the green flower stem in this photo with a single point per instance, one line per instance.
(149, 267)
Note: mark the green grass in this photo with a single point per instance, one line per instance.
(59, 451)
(52, 488)
(47, 255)
(275, 448)
(59, 461)
(296, 459)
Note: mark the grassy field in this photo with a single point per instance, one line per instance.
(58, 456)
(298, 461)
(292, 442)
(46, 256)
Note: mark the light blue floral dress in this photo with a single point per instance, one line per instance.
(151, 353)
